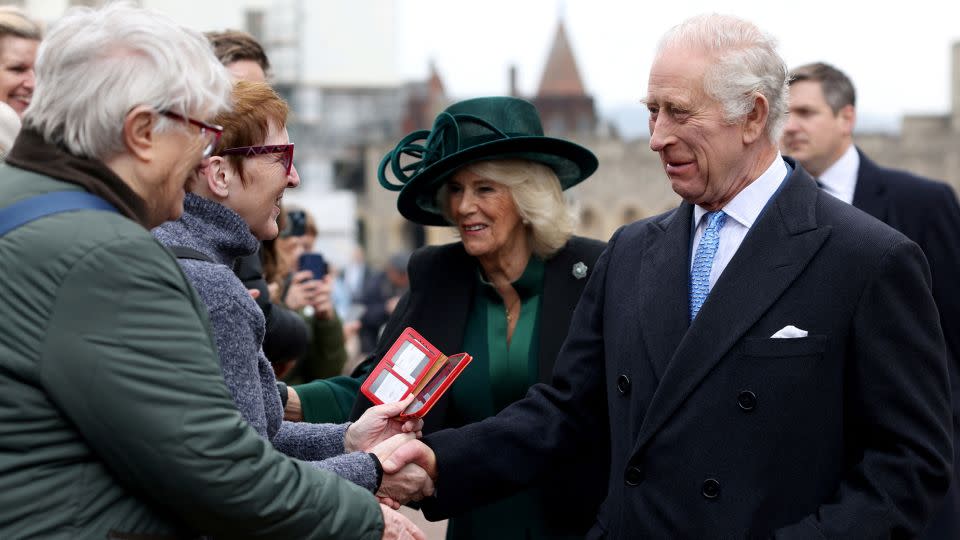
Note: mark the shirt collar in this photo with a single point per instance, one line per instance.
(747, 205)
(840, 179)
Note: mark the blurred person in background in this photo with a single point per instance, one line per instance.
(355, 277)
(241, 54)
(312, 296)
(296, 288)
(379, 299)
(115, 421)
(232, 203)
(505, 292)
(19, 39)
(352, 279)
(285, 344)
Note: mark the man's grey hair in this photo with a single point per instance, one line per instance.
(745, 63)
(837, 88)
(96, 65)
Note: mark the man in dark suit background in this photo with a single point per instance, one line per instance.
(766, 360)
(380, 297)
(819, 135)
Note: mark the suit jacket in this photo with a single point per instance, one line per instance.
(927, 213)
(442, 283)
(717, 430)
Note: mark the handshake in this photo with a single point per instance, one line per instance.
(409, 466)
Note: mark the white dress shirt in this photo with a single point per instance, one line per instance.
(840, 179)
(741, 212)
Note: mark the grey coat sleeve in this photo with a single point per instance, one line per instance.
(129, 362)
(250, 380)
(244, 371)
(322, 445)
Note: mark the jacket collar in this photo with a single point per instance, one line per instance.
(211, 228)
(870, 192)
(31, 152)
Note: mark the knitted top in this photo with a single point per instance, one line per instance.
(238, 325)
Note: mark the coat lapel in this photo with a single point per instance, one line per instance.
(869, 194)
(448, 297)
(775, 251)
(450, 288)
(663, 282)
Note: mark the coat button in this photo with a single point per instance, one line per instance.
(711, 488)
(634, 476)
(747, 400)
(623, 384)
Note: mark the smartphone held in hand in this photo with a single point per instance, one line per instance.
(315, 263)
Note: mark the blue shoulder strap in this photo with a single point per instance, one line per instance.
(26, 210)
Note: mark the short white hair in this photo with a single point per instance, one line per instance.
(537, 195)
(96, 65)
(746, 63)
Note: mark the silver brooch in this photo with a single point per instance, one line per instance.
(580, 270)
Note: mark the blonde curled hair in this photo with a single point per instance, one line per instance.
(537, 195)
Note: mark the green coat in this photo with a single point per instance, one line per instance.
(114, 418)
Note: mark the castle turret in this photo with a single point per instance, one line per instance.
(562, 99)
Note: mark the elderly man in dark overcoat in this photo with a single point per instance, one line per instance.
(766, 360)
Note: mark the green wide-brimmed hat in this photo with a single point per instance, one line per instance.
(469, 131)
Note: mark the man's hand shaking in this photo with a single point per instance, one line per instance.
(409, 472)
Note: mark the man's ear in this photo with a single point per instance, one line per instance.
(755, 123)
(139, 132)
(213, 171)
(848, 118)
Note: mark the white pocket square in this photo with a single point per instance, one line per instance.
(790, 331)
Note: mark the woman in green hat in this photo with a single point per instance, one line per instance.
(505, 293)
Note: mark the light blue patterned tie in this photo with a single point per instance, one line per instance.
(703, 261)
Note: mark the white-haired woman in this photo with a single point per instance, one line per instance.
(505, 293)
(19, 39)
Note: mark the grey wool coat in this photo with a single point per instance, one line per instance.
(238, 327)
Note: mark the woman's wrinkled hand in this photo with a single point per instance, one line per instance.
(378, 424)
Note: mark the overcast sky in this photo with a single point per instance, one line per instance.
(897, 53)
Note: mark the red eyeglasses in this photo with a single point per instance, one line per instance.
(212, 132)
(250, 151)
